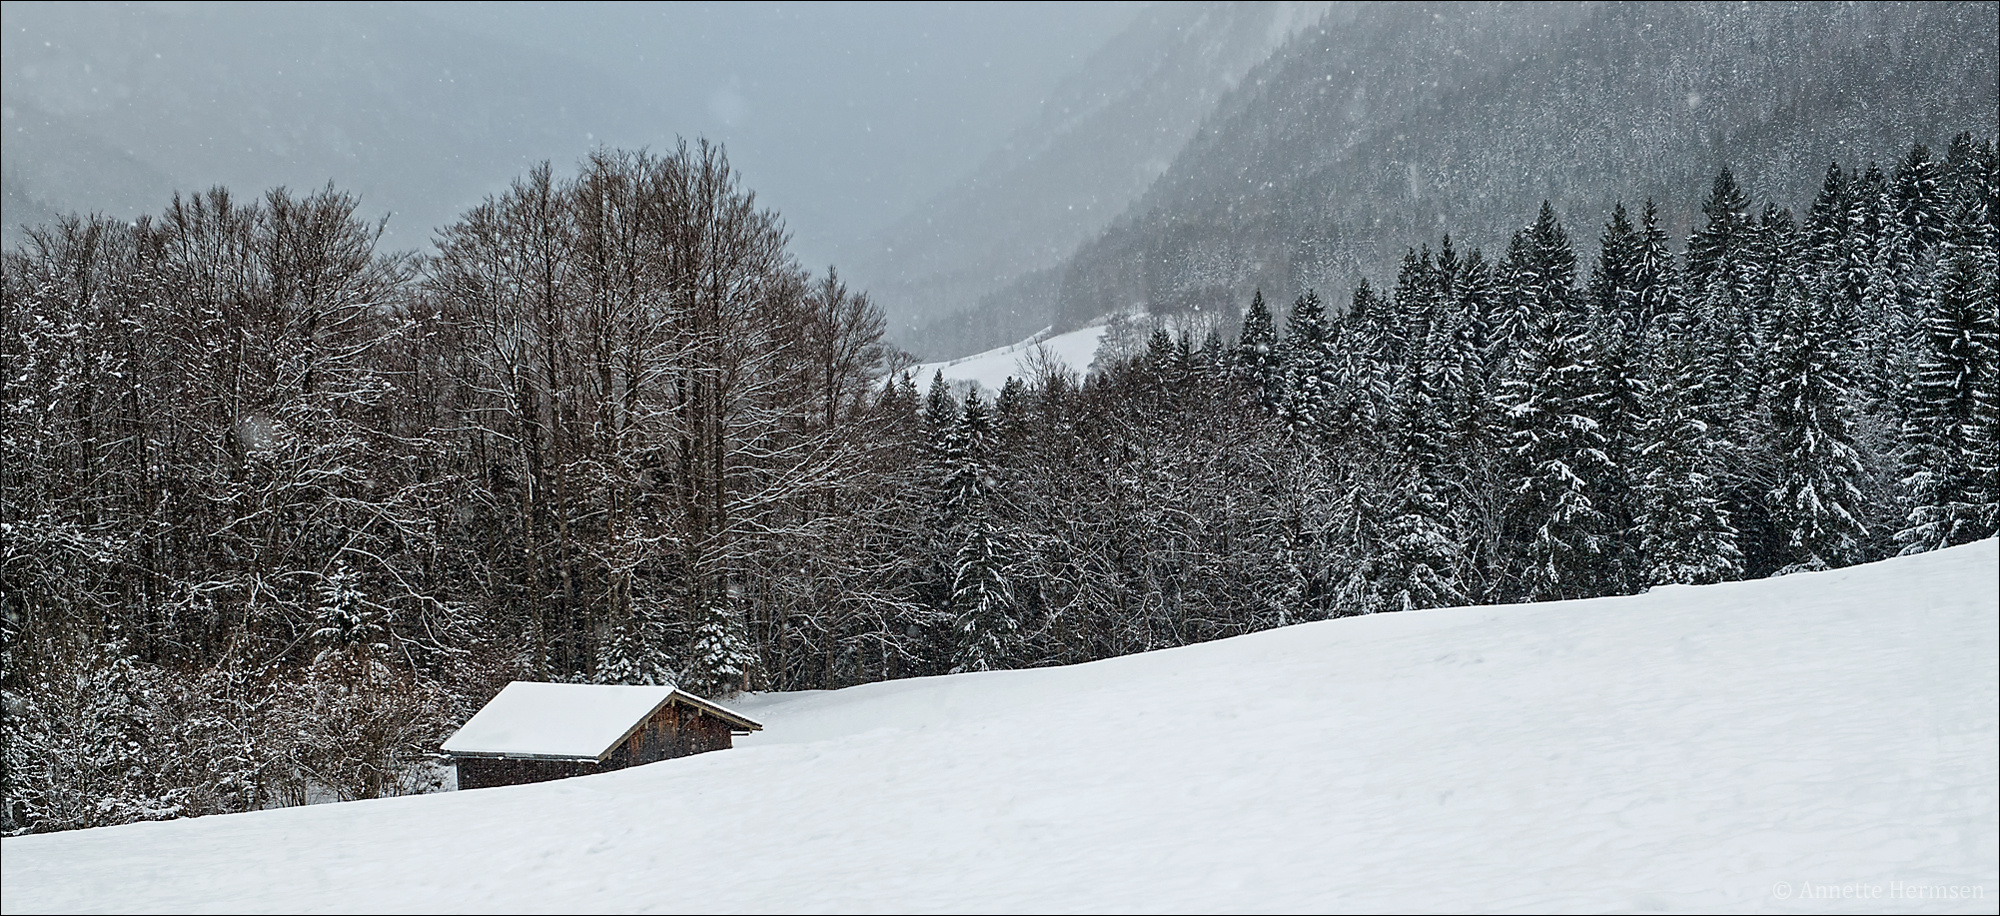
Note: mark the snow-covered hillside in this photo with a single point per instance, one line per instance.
(990, 369)
(1816, 743)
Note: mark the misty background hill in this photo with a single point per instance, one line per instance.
(115, 108)
(1103, 137)
(1386, 125)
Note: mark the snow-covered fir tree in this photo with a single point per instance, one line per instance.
(1313, 390)
(1621, 295)
(984, 624)
(1555, 439)
(1817, 503)
(346, 623)
(1682, 527)
(719, 657)
(1721, 282)
(1558, 448)
(1420, 563)
(1947, 427)
(1257, 352)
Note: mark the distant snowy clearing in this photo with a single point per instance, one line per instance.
(1816, 743)
(990, 370)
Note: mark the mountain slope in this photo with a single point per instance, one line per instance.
(1023, 359)
(1722, 748)
(1388, 124)
(1101, 139)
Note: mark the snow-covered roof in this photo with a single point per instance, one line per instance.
(570, 721)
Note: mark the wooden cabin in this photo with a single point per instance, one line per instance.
(532, 732)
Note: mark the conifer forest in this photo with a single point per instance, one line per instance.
(279, 508)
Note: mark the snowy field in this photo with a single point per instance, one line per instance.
(989, 370)
(1817, 743)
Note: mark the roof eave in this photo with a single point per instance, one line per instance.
(550, 758)
(741, 724)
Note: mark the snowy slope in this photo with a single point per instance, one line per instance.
(989, 370)
(1748, 747)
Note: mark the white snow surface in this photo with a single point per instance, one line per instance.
(1821, 742)
(556, 720)
(989, 370)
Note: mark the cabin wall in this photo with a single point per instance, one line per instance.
(486, 772)
(675, 731)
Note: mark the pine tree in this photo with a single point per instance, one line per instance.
(1554, 401)
(348, 624)
(1538, 277)
(1720, 278)
(1476, 299)
(984, 623)
(1948, 403)
(1213, 354)
(636, 653)
(1661, 297)
(1449, 268)
(1558, 447)
(1683, 528)
(719, 656)
(1774, 259)
(1352, 540)
(1818, 503)
(1421, 555)
(1830, 226)
(1414, 307)
(1010, 417)
(1363, 347)
(1420, 562)
(1621, 287)
(1920, 201)
(940, 415)
(1311, 374)
(1258, 355)
(1548, 275)
(1964, 174)
(1684, 532)
(1476, 292)
(982, 600)
(1883, 267)
(1714, 247)
(1980, 221)
(1615, 280)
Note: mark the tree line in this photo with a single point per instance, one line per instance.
(281, 508)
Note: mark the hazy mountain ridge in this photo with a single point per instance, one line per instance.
(46, 153)
(843, 117)
(1101, 140)
(113, 109)
(1388, 125)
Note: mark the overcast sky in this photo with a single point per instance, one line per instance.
(842, 116)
